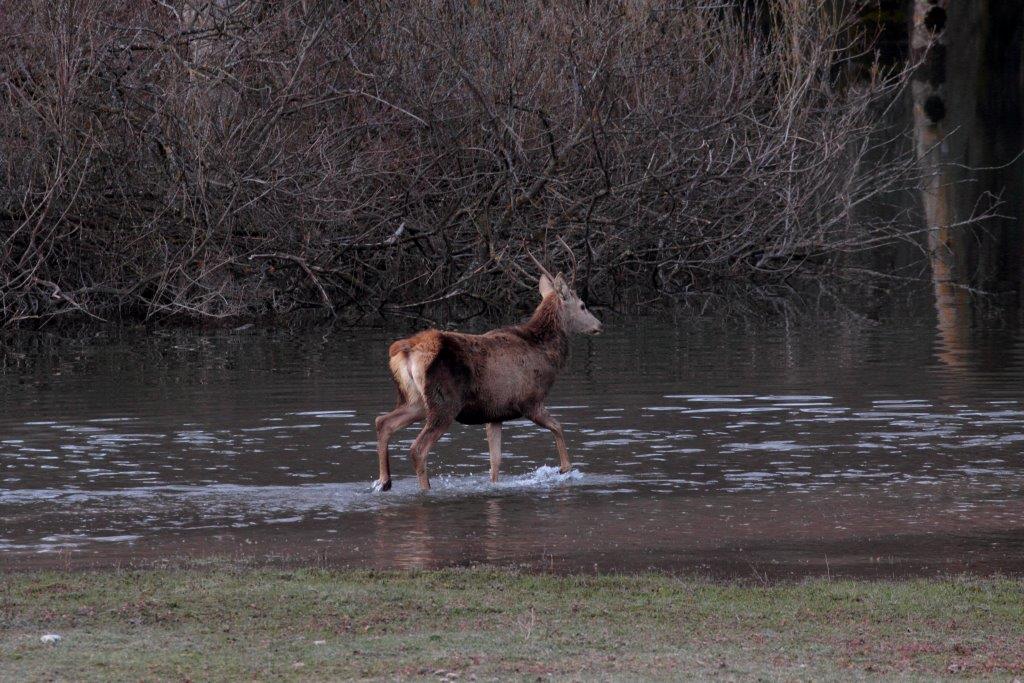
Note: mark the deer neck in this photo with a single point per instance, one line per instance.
(547, 329)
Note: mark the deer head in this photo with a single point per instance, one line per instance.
(577, 319)
(575, 316)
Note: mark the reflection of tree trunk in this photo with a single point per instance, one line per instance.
(945, 243)
(976, 94)
(952, 300)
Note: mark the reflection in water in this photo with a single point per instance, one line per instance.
(493, 538)
(413, 547)
(968, 122)
(702, 445)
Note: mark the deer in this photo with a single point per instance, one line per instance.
(488, 379)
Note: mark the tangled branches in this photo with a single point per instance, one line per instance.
(245, 158)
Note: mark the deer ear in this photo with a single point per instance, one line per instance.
(546, 286)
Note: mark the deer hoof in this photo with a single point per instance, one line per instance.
(382, 485)
(565, 470)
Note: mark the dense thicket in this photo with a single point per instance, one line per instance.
(240, 158)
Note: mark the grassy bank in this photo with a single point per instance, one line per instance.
(236, 623)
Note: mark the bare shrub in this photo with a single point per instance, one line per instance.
(244, 158)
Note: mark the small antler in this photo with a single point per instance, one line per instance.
(572, 257)
(539, 265)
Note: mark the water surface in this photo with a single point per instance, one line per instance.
(755, 450)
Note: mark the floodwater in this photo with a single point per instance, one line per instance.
(750, 450)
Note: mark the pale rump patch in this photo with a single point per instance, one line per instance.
(410, 371)
(399, 365)
(409, 361)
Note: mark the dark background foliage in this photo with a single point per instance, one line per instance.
(240, 159)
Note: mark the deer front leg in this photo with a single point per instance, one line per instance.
(494, 444)
(432, 431)
(542, 417)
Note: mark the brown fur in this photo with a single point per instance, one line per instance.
(489, 378)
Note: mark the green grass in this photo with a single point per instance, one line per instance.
(226, 622)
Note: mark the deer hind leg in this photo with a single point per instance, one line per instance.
(436, 426)
(542, 418)
(494, 444)
(399, 418)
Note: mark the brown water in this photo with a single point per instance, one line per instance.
(750, 450)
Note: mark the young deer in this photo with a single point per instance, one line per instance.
(487, 378)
